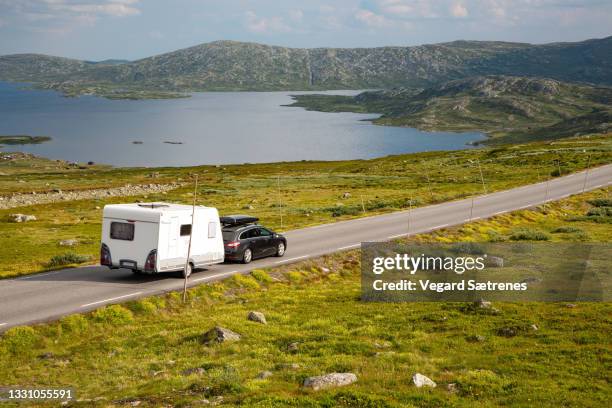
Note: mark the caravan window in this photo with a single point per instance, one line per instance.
(122, 230)
(212, 230)
(185, 230)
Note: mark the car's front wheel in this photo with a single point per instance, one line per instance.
(247, 256)
(280, 249)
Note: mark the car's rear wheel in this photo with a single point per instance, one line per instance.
(247, 256)
(280, 249)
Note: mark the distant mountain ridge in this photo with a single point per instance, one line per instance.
(230, 65)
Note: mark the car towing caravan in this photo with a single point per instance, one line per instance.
(154, 237)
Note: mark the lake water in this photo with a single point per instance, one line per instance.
(214, 127)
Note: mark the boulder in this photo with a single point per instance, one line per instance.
(482, 304)
(194, 370)
(495, 262)
(264, 374)
(329, 381)
(346, 195)
(68, 242)
(219, 334)
(257, 317)
(420, 380)
(293, 347)
(507, 332)
(22, 217)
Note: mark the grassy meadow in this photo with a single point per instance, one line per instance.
(148, 353)
(302, 193)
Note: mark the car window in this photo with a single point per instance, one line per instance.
(228, 235)
(252, 233)
(264, 232)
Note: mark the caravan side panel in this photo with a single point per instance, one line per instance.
(207, 245)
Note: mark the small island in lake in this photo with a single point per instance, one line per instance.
(22, 139)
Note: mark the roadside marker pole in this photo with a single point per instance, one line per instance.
(362, 205)
(429, 185)
(586, 174)
(409, 212)
(280, 204)
(484, 187)
(195, 193)
(472, 209)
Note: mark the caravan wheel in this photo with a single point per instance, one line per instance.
(187, 272)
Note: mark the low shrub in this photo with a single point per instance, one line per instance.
(144, 306)
(245, 281)
(223, 381)
(68, 258)
(261, 276)
(479, 383)
(19, 339)
(600, 212)
(471, 248)
(601, 202)
(113, 314)
(566, 229)
(295, 276)
(74, 323)
(528, 234)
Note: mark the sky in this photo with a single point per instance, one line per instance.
(133, 29)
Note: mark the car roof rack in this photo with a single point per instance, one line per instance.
(238, 219)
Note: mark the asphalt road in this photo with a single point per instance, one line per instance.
(47, 296)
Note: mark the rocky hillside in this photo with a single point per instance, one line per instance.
(229, 65)
(507, 108)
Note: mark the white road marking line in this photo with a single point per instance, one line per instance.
(215, 276)
(440, 226)
(525, 206)
(398, 235)
(292, 259)
(3, 324)
(499, 212)
(348, 247)
(38, 275)
(111, 299)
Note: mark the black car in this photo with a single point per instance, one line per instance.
(245, 240)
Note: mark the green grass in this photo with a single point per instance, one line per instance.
(148, 350)
(311, 192)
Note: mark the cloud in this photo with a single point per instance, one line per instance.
(113, 8)
(296, 15)
(61, 16)
(257, 24)
(370, 18)
(458, 10)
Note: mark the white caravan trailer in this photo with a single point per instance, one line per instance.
(154, 237)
